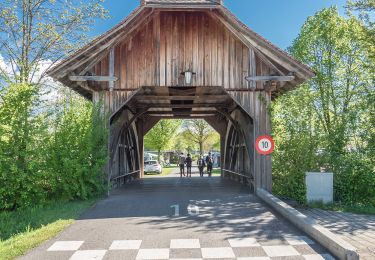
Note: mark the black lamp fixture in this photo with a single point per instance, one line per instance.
(188, 75)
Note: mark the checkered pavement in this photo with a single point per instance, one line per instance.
(292, 247)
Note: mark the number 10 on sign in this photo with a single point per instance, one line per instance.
(265, 145)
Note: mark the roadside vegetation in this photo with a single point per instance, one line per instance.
(166, 171)
(27, 228)
(357, 208)
(52, 142)
(328, 124)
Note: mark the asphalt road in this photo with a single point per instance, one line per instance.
(174, 218)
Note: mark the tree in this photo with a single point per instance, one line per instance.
(46, 157)
(20, 133)
(35, 34)
(329, 44)
(326, 122)
(198, 131)
(366, 11)
(161, 135)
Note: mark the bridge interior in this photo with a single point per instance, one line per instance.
(150, 104)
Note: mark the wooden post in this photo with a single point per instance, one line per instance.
(111, 68)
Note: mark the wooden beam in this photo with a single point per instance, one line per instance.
(183, 103)
(93, 78)
(85, 86)
(182, 98)
(181, 117)
(111, 68)
(271, 78)
(243, 90)
(210, 112)
(196, 105)
(252, 67)
(182, 7)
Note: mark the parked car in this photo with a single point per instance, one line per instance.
(153, 166)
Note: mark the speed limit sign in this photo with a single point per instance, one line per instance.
(265, 145)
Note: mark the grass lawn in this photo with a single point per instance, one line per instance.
(166, 171)
(216, 171)
(25, 229)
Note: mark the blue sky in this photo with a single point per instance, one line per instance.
(279, 21)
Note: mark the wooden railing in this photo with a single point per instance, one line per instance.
(242, 178)
(122, 179)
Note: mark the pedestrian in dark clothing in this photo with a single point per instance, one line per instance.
(201, 164)
(181, 161)
(209, 162)
(188, 162)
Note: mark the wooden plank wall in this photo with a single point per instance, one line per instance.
(172, 42)
(256, 104)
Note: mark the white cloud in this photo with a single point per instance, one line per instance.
(5, 67)
(50, 88)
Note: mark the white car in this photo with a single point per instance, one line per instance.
(153, 167)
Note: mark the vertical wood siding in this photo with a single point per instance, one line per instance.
(172, 42)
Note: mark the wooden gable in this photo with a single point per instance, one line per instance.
(163, 38)
(173, 42)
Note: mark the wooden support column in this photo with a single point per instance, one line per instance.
(111, 68)
(141, 148)
(262, 126)
(252, 68)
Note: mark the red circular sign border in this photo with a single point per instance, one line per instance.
(272, 144)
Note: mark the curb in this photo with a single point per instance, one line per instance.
(338, 247)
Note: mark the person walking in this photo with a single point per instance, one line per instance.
(209, 162)
(181, 162)
(188, 165)
(201, 164)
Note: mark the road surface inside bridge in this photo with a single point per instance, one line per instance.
(173, 218)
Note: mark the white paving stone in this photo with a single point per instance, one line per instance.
(185, 259)
(125, 244)
(65, 246)
(185, 243)
(243, 242)
(218, 252)
(253, 258)
(319, 257)
(299, 240)
(88, 255)
(153, 253)
(273, 251)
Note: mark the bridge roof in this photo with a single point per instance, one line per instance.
(103, 43)
(168, 2)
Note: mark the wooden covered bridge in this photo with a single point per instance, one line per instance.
(184, 59)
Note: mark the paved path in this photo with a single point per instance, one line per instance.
(358, 230)
(173, 218)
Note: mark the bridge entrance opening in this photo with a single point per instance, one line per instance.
(149, 105)
(170, 141)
